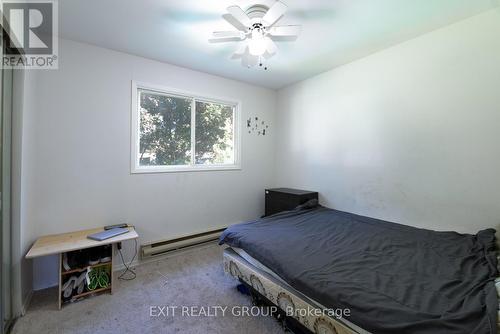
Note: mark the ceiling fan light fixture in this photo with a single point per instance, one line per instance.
(257, 44)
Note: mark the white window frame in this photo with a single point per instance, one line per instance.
(136, 168)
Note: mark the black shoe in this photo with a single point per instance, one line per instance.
(75, 259)
(94, 255)
(106, 253)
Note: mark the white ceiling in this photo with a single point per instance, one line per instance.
(334, 32)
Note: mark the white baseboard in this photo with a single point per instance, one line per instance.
(139, 262)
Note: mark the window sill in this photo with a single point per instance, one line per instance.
(182, 169)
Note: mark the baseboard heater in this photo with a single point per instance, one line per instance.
(165, 246)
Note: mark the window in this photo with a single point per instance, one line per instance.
(175, 131)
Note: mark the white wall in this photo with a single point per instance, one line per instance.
(77, 173)
(410, 134)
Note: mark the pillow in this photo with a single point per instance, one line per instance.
(310, 204)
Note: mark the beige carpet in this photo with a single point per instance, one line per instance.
(190, 278)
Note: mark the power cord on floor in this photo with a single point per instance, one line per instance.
(128, 274)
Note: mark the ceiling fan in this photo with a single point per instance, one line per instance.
(257, 31)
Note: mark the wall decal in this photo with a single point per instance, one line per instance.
(254, 125)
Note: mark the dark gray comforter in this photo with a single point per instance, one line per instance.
(393, 278)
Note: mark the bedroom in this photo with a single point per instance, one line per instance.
(142, 115)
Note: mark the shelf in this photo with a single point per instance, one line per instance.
(85, 268)
(65, 275)
(83, 294)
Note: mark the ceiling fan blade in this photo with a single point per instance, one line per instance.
(240, 15)
(228, 34)
(249, 61)
(224, 39)
(234, 22)
(285, 31)
(274, 13)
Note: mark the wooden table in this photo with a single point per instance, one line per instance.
(67, 242)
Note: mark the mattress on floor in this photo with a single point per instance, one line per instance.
(234, 267)
(260, 268)
(393, 278)
(307, 312)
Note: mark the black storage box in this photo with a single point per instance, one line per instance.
(284, 199)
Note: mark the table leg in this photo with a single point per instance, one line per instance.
(60, 281)
(113, 253)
